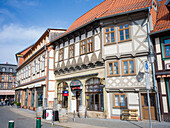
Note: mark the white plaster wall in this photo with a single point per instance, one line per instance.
(77, 49)
(89, 55)
(77, 39)
(66, 43)
(83, 37)
(125, 47)
(51, 85)
(165, 105)
(159, 62)
(51, 63)
(89, 34)
(116, 111)
(110, 50)
(71, 41)
(167, 62)
(51, 53)
(157, 44)
(61, 45)
(97, 30)
(56, 56)
(51, 75)
(66, 53)
(163, 89)
(97, 42)
(50, 96)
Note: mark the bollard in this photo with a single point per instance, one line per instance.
(11, 124)
(38, 122)
(74, 116)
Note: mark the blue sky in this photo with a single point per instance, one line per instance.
(22, 22)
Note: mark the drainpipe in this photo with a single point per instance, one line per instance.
(151, 55)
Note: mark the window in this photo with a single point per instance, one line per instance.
(3, 69)
(94, 95)
(34, 64)
(61, 54)
(32, 98)
(71, 51)
(119, 100)
(2, 85)
(113, 68)
(63, 100)
(26, 97)
(38, 65)
(29, 72)
(109, 33)
(43, 63)
(39, 97)
(124, 32)
(2, 77)
(9, 85)
(166, 45)
(82, 47)
(128, 67)
(10, 78)
(10, 70)
(89, 45)
(26, 71)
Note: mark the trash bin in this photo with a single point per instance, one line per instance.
(44, 114)
(49, 114)
(56, 116)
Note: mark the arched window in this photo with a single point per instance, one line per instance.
(94, 95)
(63, 100)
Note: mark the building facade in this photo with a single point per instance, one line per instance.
(35, 76)
(100, 56)
(161, 41)
(7, 81)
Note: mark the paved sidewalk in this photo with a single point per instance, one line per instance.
(95, 123)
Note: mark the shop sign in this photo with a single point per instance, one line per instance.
(75, 88)
(75, 83)
(65, 93)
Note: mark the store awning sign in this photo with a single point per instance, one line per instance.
(75, 83)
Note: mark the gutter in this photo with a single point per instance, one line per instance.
(96, 19)
(160, 31)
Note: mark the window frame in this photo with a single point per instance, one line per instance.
(164, 45)
(128, 67)
(38, 65)
(113, 68)
(89, 43)
(81, 45)
(71, 48)
(109, 35)
(119, 94)
(43, 63)
(124, 35)
(61, 52)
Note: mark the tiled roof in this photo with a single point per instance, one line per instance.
(107, 8)
(163, 18)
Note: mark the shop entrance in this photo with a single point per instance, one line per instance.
(145, 108)
(76, 95)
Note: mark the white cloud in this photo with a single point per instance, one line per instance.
(14, 38)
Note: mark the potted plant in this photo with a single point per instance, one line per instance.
(18, 104)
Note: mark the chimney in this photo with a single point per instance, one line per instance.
(6, 62)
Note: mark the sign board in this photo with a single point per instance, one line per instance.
(48, 114)
(75, 83)
(65, 93)
(75, 88)
(146, 67)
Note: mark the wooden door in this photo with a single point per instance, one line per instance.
(78, 100)
(145, 109)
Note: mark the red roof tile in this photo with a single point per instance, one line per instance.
(106, 8)
(163, 18)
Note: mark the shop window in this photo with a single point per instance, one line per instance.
(71, 51)
(9, 85)
(166, 45)
(61, 54)
(113, 68)
(128, 67)
(32, 98)
(119, 100)
(94, 95)
(26, 97)
(2, 85)
(39, 97)
(63, 100)
(109, 33)
(124, 32)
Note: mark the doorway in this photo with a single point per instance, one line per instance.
(145, 108)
